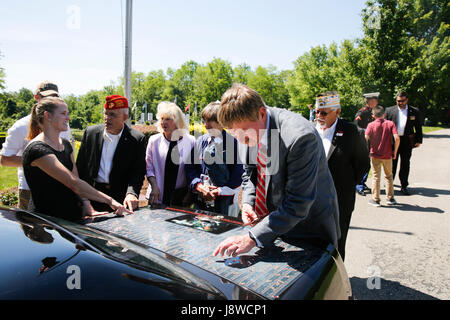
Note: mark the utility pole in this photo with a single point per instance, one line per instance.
(128, 33)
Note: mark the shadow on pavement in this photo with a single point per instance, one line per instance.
(411, 207)
(381, 230)
(388, 290)
(438, 136)
(429, 192)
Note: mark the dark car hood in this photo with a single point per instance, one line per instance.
(143, 256)
(38, 258)
(265, 272)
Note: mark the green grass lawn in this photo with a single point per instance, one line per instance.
(8, 178)
(431, 129)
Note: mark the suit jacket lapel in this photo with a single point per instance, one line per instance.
(338, 132)
(273, 128)
(395, 116)
(97, 150)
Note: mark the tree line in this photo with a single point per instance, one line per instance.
(406, 46)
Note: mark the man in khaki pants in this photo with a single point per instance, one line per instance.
(380, 133)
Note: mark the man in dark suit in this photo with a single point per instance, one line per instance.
(408, 121)
(288, 191)
(112, 156)
(347, 155)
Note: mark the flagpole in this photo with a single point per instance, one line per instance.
(128, 34)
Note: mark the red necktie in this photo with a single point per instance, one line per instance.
(260, 203)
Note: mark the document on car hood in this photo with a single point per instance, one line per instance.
(267, 272)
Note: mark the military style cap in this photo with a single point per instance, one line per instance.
(47, 88)
(373, 95)
(328, 101)
(116, 102)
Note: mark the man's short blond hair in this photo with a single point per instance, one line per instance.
(239, 103)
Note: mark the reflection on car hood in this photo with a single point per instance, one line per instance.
(33, 250)
(265, 272)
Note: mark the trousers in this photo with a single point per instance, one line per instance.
(376, 177)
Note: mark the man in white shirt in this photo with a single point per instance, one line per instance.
(347, 156)
(112, 156)
(408, 121)
(16, 142)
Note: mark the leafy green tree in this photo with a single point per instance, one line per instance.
(408, 50)
(270, 84)
(180, 83)
(328, 69)
(210, 82)
(241, 73)
(2, 75)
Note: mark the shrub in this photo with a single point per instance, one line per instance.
(197, 129)
(9, 198)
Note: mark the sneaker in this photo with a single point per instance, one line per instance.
(391, 202)
(361, 193)
(374, 203)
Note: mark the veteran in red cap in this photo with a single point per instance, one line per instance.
(112, 156)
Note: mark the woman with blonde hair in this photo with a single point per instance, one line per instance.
(167, 153)
(49, 168)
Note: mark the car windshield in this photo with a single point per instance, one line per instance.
(130, 253)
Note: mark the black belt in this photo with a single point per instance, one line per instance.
(100, 185)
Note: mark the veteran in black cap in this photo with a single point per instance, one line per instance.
(362, 118)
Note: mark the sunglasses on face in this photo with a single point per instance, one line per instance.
(401, 101)
(323, 113)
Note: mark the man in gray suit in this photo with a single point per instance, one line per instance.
(288, 190)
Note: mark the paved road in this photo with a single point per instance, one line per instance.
(403, 252)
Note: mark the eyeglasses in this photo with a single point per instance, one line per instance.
(401, 101)
(323, 113)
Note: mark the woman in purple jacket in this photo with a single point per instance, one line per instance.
(167, 153)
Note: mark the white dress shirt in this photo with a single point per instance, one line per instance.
(401, 121)
(327, 136)
(110, 142)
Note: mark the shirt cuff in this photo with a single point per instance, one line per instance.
(252, 236)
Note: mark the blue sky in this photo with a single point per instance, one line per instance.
(78, 44)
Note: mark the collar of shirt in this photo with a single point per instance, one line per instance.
(112, 137)
(328, 133)
(404, 111)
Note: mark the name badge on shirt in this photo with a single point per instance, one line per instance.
(339, 133)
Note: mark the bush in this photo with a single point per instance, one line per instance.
(9, 198)
(77, 134)
(147, 130)
(197, 129)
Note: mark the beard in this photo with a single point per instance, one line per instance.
(322, 125)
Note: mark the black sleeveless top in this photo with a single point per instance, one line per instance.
(49, 196)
